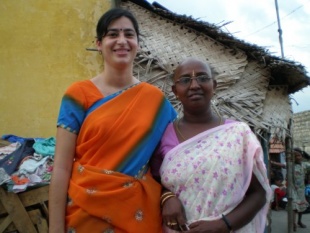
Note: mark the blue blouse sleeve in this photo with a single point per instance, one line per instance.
(71, 114)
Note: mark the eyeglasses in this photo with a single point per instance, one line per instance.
(200, 79)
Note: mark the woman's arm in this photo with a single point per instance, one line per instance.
(254, 200)
(280, 165)
(64, 154)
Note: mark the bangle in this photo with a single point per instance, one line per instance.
(166, 194)
(226, 222)
(165, 199)
(163, 196)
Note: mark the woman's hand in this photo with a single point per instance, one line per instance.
(216, 226)
(173, 213)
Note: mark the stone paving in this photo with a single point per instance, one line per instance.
(279, 222)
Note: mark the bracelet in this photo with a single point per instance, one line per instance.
(166, 198)
(226, 222)
(165, 194)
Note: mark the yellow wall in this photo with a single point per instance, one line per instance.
(42, 51)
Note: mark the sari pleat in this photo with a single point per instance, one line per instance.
(135, 201)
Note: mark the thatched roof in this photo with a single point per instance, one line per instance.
(253, 85)
(283, 71)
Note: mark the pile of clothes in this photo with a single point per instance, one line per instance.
(26, 162)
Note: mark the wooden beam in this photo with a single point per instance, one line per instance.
(17, 212)
(34, 196)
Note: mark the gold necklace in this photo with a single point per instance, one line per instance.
(178, 129)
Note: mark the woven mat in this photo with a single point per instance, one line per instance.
(242, 91)
(278, 111)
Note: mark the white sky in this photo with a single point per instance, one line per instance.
(255, 21)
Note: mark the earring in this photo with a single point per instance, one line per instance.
(177, 97)
(100, 52)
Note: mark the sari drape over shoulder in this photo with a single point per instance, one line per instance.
(218, 165)
(111, 189)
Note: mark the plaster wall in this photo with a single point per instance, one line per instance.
(42, 51)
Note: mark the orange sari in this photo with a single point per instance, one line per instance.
(111, 189)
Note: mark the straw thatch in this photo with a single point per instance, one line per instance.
(253, 86)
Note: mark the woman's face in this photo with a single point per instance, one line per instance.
(298, 157)
(194, 85)
(120, 44)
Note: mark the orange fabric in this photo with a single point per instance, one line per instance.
(113, 134)
(19, 181)
(124, 203)
(119, 135)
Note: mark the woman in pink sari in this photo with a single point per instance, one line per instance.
(211, 168)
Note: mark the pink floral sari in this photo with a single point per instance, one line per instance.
(217, 164)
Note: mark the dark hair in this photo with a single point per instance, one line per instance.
(277, 175)
(298, 150)
(111, 15)
(303, 153)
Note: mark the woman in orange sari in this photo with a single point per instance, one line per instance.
(108, 128)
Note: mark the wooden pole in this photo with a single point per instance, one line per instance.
(265, 146)
(279, 29)
(290, 171)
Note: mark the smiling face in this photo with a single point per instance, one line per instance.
(196, 92)
(120, 43)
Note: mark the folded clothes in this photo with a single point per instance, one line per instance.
(11, 161)
(45, 147)
(13, 138)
